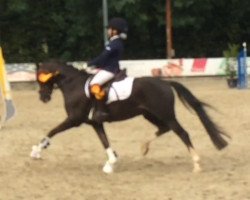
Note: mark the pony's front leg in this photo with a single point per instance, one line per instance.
(112, 156)
(45, 142)
(37, 149)
(110, 163)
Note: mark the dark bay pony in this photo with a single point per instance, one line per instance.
(151, 97)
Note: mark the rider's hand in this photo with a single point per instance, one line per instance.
(85, 66)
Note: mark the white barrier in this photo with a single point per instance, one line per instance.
(136, 68)
(21, 72)
(177, 67)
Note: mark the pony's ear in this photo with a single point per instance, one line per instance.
(37, 69)
(38, 65)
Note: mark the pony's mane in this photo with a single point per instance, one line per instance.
(67, 67)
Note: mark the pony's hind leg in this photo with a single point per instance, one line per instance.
(182, 133)
(162, 128)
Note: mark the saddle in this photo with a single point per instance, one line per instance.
(118, 88)
(118, 77)
(102, 91)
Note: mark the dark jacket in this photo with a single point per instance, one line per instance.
(109, 58)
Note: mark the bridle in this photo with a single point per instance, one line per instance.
(44, 77)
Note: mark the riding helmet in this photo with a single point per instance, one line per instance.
(119, 24)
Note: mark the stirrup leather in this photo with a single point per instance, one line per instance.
(97, 91)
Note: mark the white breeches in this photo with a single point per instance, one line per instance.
(102, 77)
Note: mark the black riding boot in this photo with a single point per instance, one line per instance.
(101, 113)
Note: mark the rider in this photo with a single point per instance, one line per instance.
(108, 62)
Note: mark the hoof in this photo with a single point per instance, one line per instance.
(108, 168)
(36, 152)
(145, 148)
(197, 168)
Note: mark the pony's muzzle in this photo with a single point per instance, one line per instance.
(45, 99)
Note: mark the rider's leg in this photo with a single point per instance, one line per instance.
(102, 77)
(98, 80)
(101, 114)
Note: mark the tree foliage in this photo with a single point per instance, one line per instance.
(72, 29)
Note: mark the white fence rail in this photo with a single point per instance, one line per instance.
(165, 67)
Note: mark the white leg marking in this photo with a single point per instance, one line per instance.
(196, 160)
(112, 159)
(37, 149)
(111, 156)
(36, 152)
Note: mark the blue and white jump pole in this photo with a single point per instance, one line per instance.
(242, 68)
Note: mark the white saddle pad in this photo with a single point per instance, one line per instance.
(120, 90)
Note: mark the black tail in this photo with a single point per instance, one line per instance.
(213, 130)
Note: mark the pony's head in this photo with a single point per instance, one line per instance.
(47, 72)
